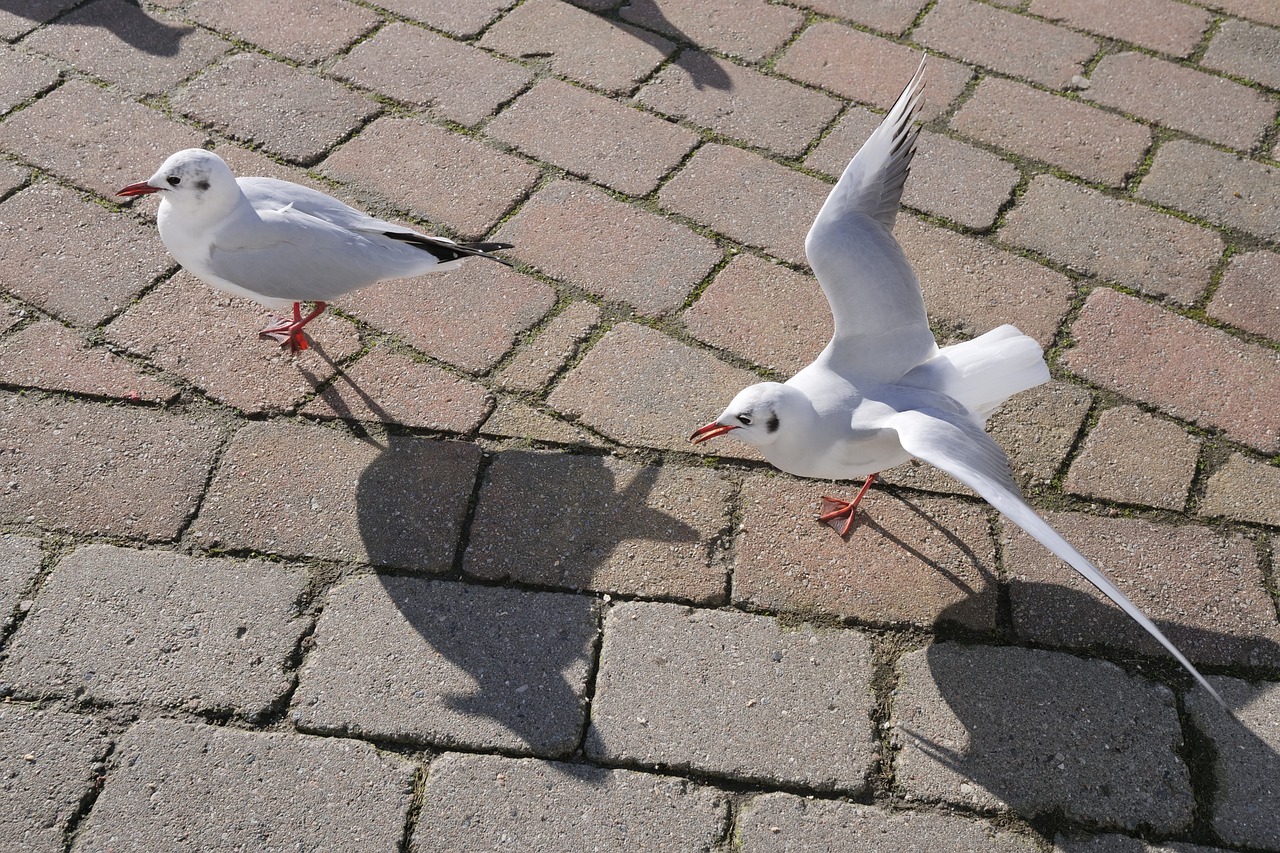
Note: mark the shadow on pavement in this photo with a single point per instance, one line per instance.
(126, 21)
(704, 74)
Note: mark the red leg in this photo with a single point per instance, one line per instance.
(845, 509)
(289, 332)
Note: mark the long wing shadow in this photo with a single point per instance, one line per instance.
(128, 22)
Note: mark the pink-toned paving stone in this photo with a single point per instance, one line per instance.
(758, 109)
(1244, 489)
(1134, 458)
(1262, 11)
(1095, 234)
(95, 137)
(1216, 185)
(1247, 296)
(868, 69)
(889, 16)
(567, 227)
(574, 43)
(1246, 50)
(751, 29)
(71, 257)
(513, 419)
(301, 30)
(592, 136)
(1205, 590)
(455, 81)
(286, 110)
(433, 173)
(50, 356)
(154, 53)
(459, 19)
(1189, 370)
(31, 15)
(540, 359)
(25, 76)
(747, 198)
(1096, 145)
(210, 339)
(906, 559)
(1014, 44)
(1205, 105)
(68, 464)
(1161, 25)
(12, 177)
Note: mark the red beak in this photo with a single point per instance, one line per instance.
(710, 431)
(140, 188)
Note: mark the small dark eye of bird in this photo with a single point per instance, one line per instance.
(173, 180)
(745, 420)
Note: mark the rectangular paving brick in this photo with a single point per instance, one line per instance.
(513, 419)
(1161, 25)
(1189, 370)
(174, 785)
(67, 464)
(540, 359)
(483, 802)
(25, 76)
(48, 355)
(1037, 732)
(1262, 11)
(459, 19)
(451, 665)
(302, 30)
(1216, 185)
(20, 558)
(888, 16)
(1246, 296)
(296, 490)
(750, 29)
(31, 15)
(733, 695)
(598, 523)
(1132, 457)
(197, 634)
(1245, 50)
(1244, 489)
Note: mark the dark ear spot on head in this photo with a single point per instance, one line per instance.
(202, 185)
(772, 425)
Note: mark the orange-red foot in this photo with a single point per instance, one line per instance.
(844, 509)
(288, 332)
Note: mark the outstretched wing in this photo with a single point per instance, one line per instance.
(958, 446)
(881, 329)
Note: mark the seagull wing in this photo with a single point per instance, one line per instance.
(881, 328)
(955, 444)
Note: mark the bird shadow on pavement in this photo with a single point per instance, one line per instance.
(705, 75)
(127, 21)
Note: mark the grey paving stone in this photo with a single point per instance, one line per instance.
(1133, 457)
(301, 30)
(1161, 25)
(448, 664)
(25, 76)
(890, 16)
(1244, 490)
(1125, 844)
(1246, 50)
(48, 762)
(175, 786)
(20, 558)
(540, 359)
(199, 634)
(16, 21)
(1034, 732)
(750, 29)
(1246, 760)
(1219, 186)
(486, 802)
(459, 19)
(1038, 428)
(513, 419)
(733, 695)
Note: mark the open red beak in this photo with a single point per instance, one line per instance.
(710, 431)
(140, 188)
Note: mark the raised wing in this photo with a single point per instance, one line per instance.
(881, 329)
(959, 447)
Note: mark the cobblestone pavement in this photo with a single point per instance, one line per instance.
(455, 580)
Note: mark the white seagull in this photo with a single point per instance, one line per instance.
(283, 244)
(882, 391)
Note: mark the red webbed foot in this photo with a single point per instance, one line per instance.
(844, 509)
(288, 333)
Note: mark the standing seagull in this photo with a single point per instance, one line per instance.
(282, 244)
(882, 391)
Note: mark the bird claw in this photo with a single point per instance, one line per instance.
(843, 509)
(291, 339)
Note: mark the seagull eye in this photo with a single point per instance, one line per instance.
(173, 180)
(745, 420)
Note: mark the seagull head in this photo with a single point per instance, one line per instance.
(193, 178)
(756, 415)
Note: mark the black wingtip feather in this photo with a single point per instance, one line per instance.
(445, 251)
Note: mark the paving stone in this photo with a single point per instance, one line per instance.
(1182, 98)
(212, 636)
(94, 137)
(1098, 146)
(780, 823)
(1160, 25)
(25, 76)
(290, 112)
(469, 317)
(567, 228)
(145, 52)
(1244, 490)
(48, 355)
(297, 490)
(906, 560)
(640, 387)
(540, 360)
(1191, 371)
(19, 564)
(301, 30)
(210, 339)
(574, 43)
(750, 106)
(12, 177)
(175, 785)
(747, 198)
(452, 665)
(1213, 184)
(1246, 297)
(868, 69)
(1257, 10)
(483, 802)
(1204, 589)
(49, 762)
(71, 462)
(1014, 44)
(1037, 732)
(948, 178)
(1246, 759)
(1102, 236)
(1125, 844)
(1134, 458)
(592, 136)
(453, 80)
(750, 29)
(889, 16)
(733, 695)
(599, 523)
(14, 23)
(1246, 50)
(512, 419)
(459, 19)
